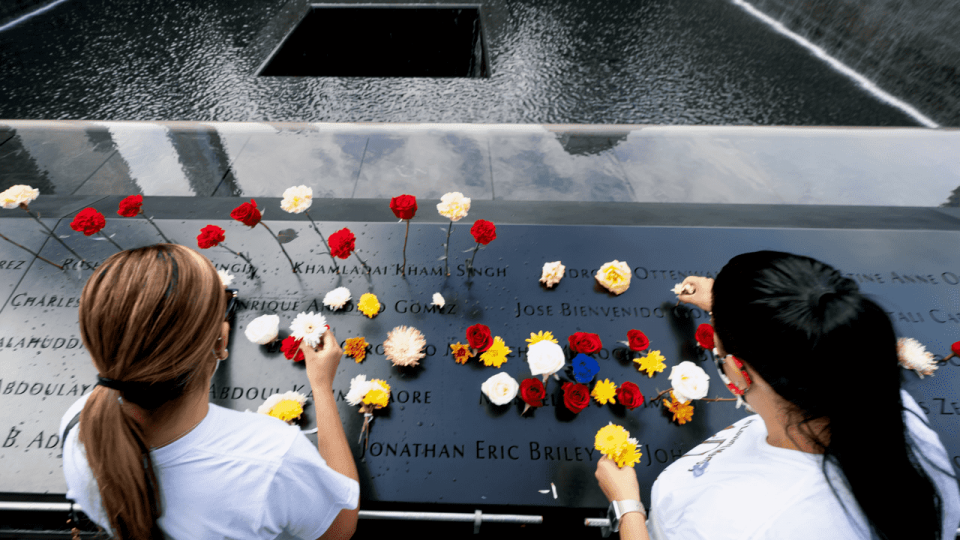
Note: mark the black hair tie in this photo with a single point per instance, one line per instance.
(119, 386)
(816, 296)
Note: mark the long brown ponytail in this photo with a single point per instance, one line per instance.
(148, 316)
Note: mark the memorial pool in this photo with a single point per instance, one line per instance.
(551, 61)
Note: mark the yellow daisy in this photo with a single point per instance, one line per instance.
(605, 392)
(629, 455)
(651, 363)
(541, 336)
(496, 355)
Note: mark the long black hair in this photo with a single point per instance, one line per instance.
(831, 352)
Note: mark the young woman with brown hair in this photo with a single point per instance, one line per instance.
(152, 458)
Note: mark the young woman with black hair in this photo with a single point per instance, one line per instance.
(836, 450)
(151, 458)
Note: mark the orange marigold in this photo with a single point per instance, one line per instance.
(461, 352)
(682, 410)
(357, 348)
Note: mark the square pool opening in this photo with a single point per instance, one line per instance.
(382, 41)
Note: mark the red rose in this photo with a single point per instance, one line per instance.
(638, 340)
(629, 395)
(130, 206)
(484, 231)
(583, 342)
(479, 338)
(88, 221)
(576, 397)
(404, 206)
(291, 349)
(532, 392)
(209, 236)
(247, 213)
(956, 348)
(342, 243)
(705, 336)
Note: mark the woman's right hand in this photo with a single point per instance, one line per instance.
(702, 295)
(618, 484)
(322, 362)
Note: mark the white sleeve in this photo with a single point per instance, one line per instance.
(306, 494)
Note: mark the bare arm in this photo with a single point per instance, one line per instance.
(331, 439)
(619, 484)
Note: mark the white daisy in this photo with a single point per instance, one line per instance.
(309, 327)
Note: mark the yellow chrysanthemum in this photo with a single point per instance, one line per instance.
(286, 410)
(541, 336)
(356, 347)
(610, 438)
(377, 398)
(461, 353)
(369, 305)
(496, 355)
(628, 456)
(651, 363)
(605, 392)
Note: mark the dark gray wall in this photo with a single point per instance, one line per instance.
(11, 9)
(910, 48)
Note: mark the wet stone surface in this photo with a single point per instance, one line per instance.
(440, 440)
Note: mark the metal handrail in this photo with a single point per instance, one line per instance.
(476, 517)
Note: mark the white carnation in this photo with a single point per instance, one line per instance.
(297, 199)
(552, 272)
(438, 299)
(545, 358)
(913, 355)
(225, 277)
(263, 329)
(454, 206)
(337, 298)
(273, 400)
(500, 389)
(689, 381)
(13, 196)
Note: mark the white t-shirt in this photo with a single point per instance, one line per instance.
(735, 485)
(236, 475)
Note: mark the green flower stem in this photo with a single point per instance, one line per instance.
(292, 267)
(31, 252)
(55, 237)
(244, 257)
(472, 257)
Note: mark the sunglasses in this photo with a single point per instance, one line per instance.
(232, 299)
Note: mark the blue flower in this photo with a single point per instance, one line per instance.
(584, 368)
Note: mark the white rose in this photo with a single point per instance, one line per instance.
(500, 389)
(14, 195)
(297, 199)
(689, 381)
(545, 358)
(552, 272)
(614, 276)
(263, 329)
(438, 299)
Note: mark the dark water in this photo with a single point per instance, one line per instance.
(552, 61)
